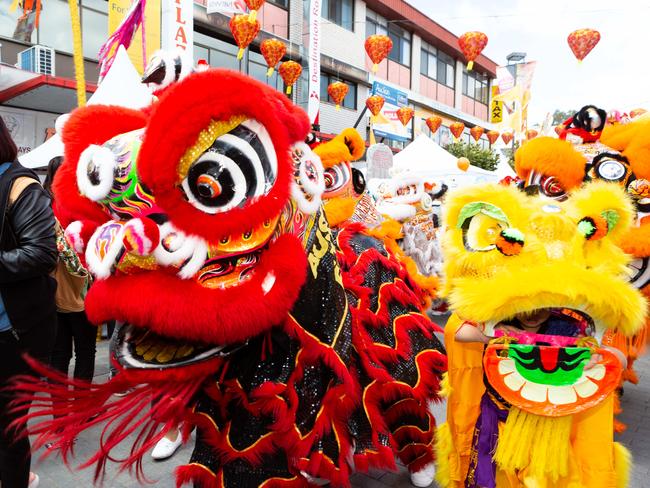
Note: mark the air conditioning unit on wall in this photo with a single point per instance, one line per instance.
(38, 59)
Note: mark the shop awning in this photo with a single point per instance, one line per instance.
(24, 89)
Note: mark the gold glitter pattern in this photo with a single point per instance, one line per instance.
(206, 138)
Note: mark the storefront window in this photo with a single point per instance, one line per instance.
(401, 51)
(220, 54)
(445, 72)
(428, 61)
(475, 86)
(94, 32)
(341, 12)
(54, 27)
(350, 100)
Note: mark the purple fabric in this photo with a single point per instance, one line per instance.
(483, 469)
(123, 36)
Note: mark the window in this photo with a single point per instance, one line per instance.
(280, 3)
(341, 12)
(401, 51)
(445, 70)
(375, 24)
(94, 27)
(429, 61)
(219, 53)
(55, 29)
(475, 86)
(350, 100)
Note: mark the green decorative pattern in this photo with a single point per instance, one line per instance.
(569, 368)
(474, 208)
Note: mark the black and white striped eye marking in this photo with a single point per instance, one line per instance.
(336, 177)
(239, 166)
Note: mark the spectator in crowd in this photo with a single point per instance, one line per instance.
(27, 309)
(73, 326)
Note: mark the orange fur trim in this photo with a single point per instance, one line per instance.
(339, 210)
(633, 139)
(347, 146)
(554, 157)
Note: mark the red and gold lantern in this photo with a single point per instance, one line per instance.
(273, 51)
(405, 114)
(492, 136)
(433, 123)
(531, 134)
(476, 132)
(254, 6)
(375, 103)
(457, 129)
(244, 28)
(559, 129)
(582, 41)
(337, 92)
(471, 44)
(506, 137)
(290, 71)
(378, 46)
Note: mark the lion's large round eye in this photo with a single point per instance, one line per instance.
(336, 177)
(551, 187)
(239, 166)
(96, 172)
(358, 181)
(610, 169)
(481, 232)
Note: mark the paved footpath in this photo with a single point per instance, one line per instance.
(636, 404)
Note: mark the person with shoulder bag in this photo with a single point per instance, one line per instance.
(28, 255)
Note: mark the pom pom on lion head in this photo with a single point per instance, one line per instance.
(507, 253)
(549, 166)
(197, 237)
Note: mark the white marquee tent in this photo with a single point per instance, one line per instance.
(425, 157)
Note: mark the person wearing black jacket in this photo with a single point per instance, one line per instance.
(27, 308)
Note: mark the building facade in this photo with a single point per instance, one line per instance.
(425, 62)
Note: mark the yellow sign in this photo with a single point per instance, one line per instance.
(117, 9)
(496, 107)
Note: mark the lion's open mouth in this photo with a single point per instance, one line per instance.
(224, 272)
(137, 347)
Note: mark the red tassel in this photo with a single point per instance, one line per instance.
(63, 408)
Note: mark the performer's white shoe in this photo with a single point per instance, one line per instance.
(424, 477)
(165, 448)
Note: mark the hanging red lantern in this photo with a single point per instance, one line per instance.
(433, 123)
(378, 46)
(405, 114)
(506, 137)
(290, 71)
(254, 6)
(559, 129)
(471, 44)
(531, 134)
(456, 129)
(463, 163)
(244, 28)
(273, 51)
(637, 112)
(476, 132)
(582, 41)
(337, 92)
(492, 136)
(375, 103)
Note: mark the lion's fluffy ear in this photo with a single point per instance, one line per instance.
(633, 140)
(551, 156)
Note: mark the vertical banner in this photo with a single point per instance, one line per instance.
(178, 27)
(117, 9)
(496, 107)
(313, 104)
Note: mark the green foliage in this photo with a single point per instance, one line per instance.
(482, 158)
(509, 152)
(560, 116)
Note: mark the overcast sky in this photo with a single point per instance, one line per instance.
(616, 74)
